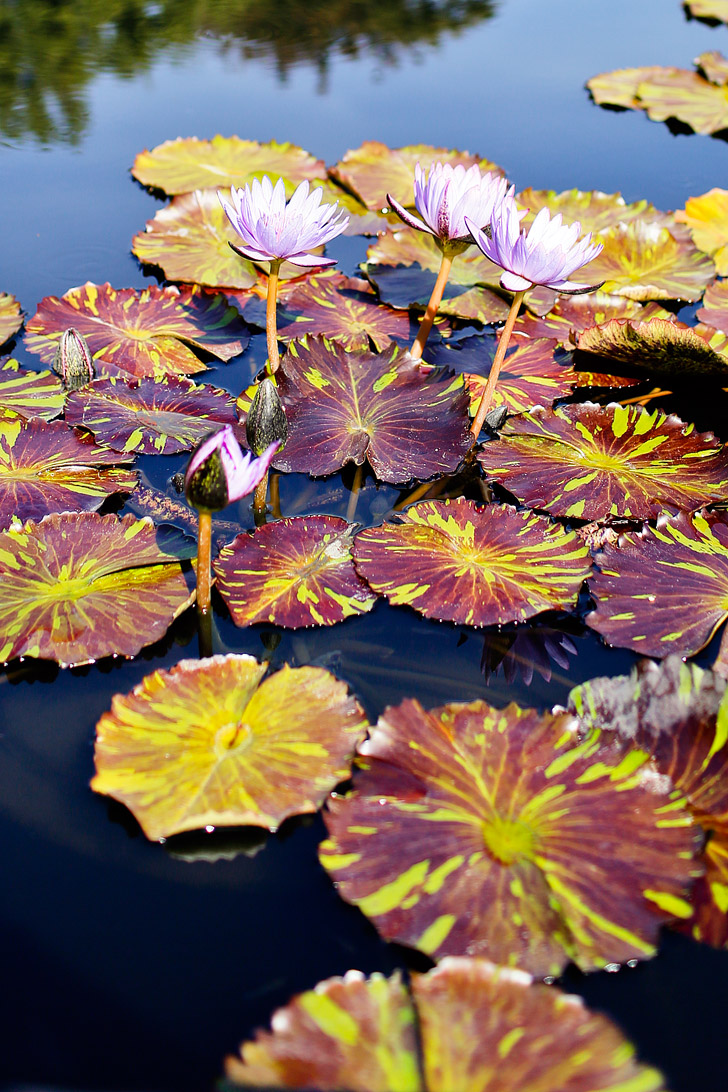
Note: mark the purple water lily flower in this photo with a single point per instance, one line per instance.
(219, 473)
(446, 196)
(273, 231)
(547, 253)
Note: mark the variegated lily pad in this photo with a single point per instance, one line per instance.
(458, 562)
(11, 317)
(709, 9)
(707, 218)
(647, 262)
(341, 406)
(658, 346)
(714, 311)
(29, 394)
(591, 461)
(46, 467)
(572, 314)
(79, 586)
(595, 211)
(344, 309)
(533, 374)
(619, 88)
(186, 164)
(679, 714)
(497, 832)
(151, 416)
(210, 744)
(664, 589)
(294, 572)
(143, 332)
(359, 1033)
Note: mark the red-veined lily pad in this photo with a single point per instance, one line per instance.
(714, 311)
(591, 461)
(359, 1033)
(595, 211)
(151, 416)
(458, 562)
(646, 262)
(664, 589)
(294, 572)
(341, 406)
(140, 332)
(11, 317)
(707, 218)
(532, 375)
(46, 467)
(186, 164)
(374, 170)
(572, 314)
(208, 744)
(29, 394)
(344, 309)
(679, 714)
(709, 9)
(499, 833)
(79, 586)
(658, 346)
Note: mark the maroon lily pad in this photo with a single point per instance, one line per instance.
(344, 309)
(658, 346)
(496, 832)
(341, 406)
(714, 311)
(572, 314)
(29, 394)
(143, 332)
(458, 562)
(11, 317)
(533, 374)
(591, 461)
(294, 572)
(151, 416)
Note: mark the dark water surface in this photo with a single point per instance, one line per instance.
(129, 965)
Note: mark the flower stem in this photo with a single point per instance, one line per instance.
(261, 491)
(271, 329)
(487, 400)
(435, 299)
(354, 495)
(204, 550)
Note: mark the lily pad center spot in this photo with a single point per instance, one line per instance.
(507, 840)
(232, 736)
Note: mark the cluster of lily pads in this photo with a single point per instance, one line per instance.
(482, 837)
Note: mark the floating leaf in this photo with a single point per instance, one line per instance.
(140, 332)
(496, 832)
(532, 374)
(595, 211)
(670, 92)
(458, 562)
(294, 572)
(341, 406)
(45, 467)
(572, 314)
(29, 394)
(658, 346)
(664, 589)
(344, 309)
(186, 164)
(707, 218)
(714, 311)
(619, 88)
(374, 170)
(79, 586)
(709, 9)
(647, 262)
(591, 461)
(11, 317)
(152, 416)
(208, 744)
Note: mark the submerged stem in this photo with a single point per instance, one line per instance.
(204, 551)
(487, 399)
(354, 495)
(271, 329)
(435, 299)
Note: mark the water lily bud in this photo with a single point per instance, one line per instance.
(219, 472)
(266, 421)
(73, 360)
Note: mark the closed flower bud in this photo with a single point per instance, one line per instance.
(73, 361)
(266, 421)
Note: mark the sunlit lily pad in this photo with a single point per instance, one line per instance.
(458, 562)
(344, 406)
(658, 346)
(344, 309)
(29, 394)
(294, 572)
(714, 311)
(359, 1033)
(619, 88)
(709, 9)
(679, 714)
(208, 744)
(646, 262)
(496, 832)
(11, 317)
(151, 416)
(707, 218)
(46, 467)
(374, 170)
(79, 586)
(572, 314)
(186, 164)
(143, 332)
(591, 461)
(532, 375)
(664, 589)
(595, 211)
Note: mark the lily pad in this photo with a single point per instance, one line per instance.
(45, 467)
(534, 373)
(186, 164)
(29, 394)
(572, 314)
(497, 832)
(359, 1033)
(595, 211)
(709, 9)
(342, 406)
(458, 562)
(294, 572)
(11, 317)
(707, 218)
(664, 589)
(344, 309)
(208, 744)
(590, 462)
(714, 311)
(151, 416)
(657, 347)
(646, 262)
(79, 586)
(619, 88)
(140, 332)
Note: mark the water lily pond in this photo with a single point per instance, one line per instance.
(435, 796)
